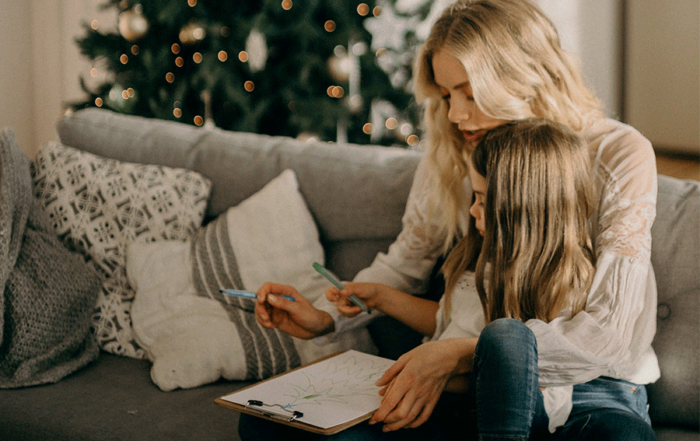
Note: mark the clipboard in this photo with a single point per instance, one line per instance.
(282, 414)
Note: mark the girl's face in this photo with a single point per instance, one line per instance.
(477, 208)
(451, 78)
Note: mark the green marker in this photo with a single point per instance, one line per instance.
(353, 298)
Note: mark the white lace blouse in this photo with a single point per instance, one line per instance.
(612, 336)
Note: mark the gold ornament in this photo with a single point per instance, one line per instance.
(132, 25)
(192, 33)
(339, 67)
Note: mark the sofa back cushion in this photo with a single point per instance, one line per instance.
(675, 255)
(356, 194)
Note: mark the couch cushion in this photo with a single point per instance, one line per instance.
(98, 206)
(114, 399)
(356, 194)
(193, 333)
(675, 255)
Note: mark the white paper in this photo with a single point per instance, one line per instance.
(331, 392)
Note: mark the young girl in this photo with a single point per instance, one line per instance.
(487, 62)
(529, 257)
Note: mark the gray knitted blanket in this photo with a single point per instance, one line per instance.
(48, 292)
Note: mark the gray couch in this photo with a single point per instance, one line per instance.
(357, 196)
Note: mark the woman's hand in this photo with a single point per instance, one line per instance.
(412, 386)
(298, 318)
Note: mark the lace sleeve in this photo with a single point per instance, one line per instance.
(409, 261)
(617, 326)
(626, 182)
(406, 265)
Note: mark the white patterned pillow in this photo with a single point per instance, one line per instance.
(99, 206)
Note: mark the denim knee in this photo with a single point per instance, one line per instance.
(503, 337)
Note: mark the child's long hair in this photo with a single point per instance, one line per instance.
(517, 70)
(536, 258)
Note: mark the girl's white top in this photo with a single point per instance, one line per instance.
(612, 336)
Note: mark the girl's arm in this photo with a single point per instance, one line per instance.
(613, 334)
(407, 264)
(415, 312)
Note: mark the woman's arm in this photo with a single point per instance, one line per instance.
(617, 326)
(412, 386)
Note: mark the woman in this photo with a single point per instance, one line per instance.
(486, 63)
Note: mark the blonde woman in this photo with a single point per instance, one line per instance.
(485, 63)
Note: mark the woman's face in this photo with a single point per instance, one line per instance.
(477, 208)
(453, 82)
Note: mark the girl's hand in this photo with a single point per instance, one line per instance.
(412, 386)
(369, 293)
(298, 318)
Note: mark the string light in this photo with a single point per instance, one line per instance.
(377, 11)
(192, 3)
(177, 112)
(391, 123)
(249, 86)
(367, 128)
(223, 56)
(124, 59)
(94, 72)
(363, 9)
(98, 102)
(243, 56)
(125, 94)
(197, 57)
(224, 31)
(198, 120)
(95, 25)
(329, 26)
(175, 48)
(335, 91)
(412, 140)
(179, 62)
(287, 5)
(169, 77)
(131, 92)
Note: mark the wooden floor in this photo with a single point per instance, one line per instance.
(683, 167)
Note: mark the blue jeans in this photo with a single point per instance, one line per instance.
(505, 403)
(510, 404)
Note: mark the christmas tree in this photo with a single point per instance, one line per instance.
(336, 70)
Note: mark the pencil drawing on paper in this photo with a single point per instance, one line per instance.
(338, 382)
(329, 393)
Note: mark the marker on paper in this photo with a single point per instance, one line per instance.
(250, 295)
(353, 298)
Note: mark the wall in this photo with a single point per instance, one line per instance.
(662, 76)
(16, 105)
(40, 63)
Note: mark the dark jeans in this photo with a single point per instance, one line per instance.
(505, 404)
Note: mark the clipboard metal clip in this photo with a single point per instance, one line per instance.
(257, 407)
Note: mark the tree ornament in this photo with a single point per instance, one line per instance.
(308, 137)
(339, 66)
(192, 33)
(132, 24)
(256, 47)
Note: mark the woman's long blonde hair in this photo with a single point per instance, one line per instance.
(517, 70)
(536, 258)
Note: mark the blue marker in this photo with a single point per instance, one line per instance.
(250, 295)
(353, 298)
